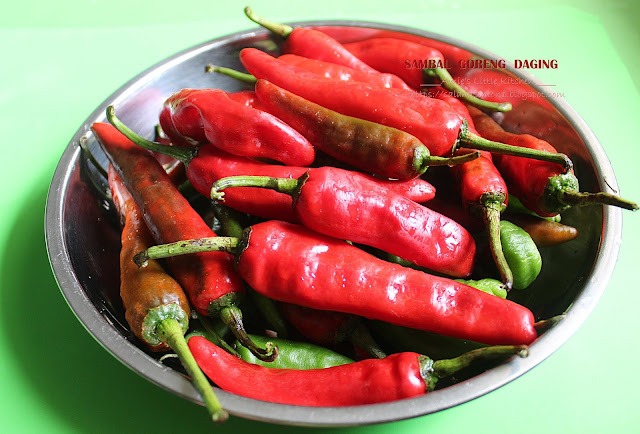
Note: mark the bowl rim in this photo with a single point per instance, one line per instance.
(137, 360)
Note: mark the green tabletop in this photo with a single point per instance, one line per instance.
(61, 60)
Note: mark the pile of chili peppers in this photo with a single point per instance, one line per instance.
(323, 231)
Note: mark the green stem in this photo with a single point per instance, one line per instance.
(492, 206)
(434, 370)
(240, 76)
(450, 84)
(574, 197)
(214, 336)
(288, 186)
(269, 310)
(171, 332)
(361, 337)
(470, 140)
(230, 220)
(87, 152)
(185, 247)
(232, 317)
(181, 154)
(422, 161)
(277, 28)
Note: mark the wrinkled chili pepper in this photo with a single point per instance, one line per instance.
(331, 328)
(201, 116)
(209, 280)
(431, 121)
(350, 207)
(369, 381)
(309, 43)
(543, 232)
(368, 146)
(156, 307)
(292, 264)
(415, 62)
(294, 355)
(207, 164)
(543, 187)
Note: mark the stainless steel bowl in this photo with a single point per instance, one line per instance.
(83, 244)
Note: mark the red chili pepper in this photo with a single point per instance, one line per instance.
(413, 62)
(310, 43)
(341, 72)
(350, 207)
(156, 308)
(331, 328)
(208, 164)
(209, 115)
(542, 187)
(209, 279)
(431, 121)
(368, 146)
(246, 97)
(293, 264)
(370, 381)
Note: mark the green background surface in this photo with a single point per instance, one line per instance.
(58, 65)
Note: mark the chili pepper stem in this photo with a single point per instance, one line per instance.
(288, 186)
(199, 245)
(492, 208)
(573, 198)
(473, 141)
(422, 162)
(435, 370)
(277, 28)
(180, 154)
(171, 333)
(232, 317)
(240, 76)
(215, 337)
(450, 84)
(361, 337)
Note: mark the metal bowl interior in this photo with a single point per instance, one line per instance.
(83, 242)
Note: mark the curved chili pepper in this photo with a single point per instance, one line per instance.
(209, 116)
(350, 207)
(521, 254)
(292, 264)
(309, 43)
(212, 285)
(368, 146)
(431, 121)
(156, 307)
(342, 72)
(294, 355)
(543, 187)
(543, 232)
(331, 328)
(369, 381)
(413, 62)
(208, 164)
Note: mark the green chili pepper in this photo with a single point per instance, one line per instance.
(490, 286)
(294, 355)
(515, 206)
(521, 253)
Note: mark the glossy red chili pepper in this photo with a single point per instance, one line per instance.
(431, 121)
(156, 307)
(310, 43)
(212, 285)
(543, 187)
(331, 328)
(414, 62)
(209, 115)
(341, 72)
(208, 164)
(246, 97)
(370, 381)
(293, 264)
(347, 206)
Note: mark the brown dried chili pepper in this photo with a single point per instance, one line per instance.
(347, 206)
(372, 147)
(415, 62)
(156, 307)
(310, 43)
(209, 280)
(207, 164)
(431, 121)
(543, 232)
(543, 187)
(200, 116)
(293, 264)
(330, 328)
(370, 381)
